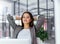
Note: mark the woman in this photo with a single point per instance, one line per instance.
(27, 30)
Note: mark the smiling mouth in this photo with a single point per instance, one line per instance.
(25, 20)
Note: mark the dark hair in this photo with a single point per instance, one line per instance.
(31, 23)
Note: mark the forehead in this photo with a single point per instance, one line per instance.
(26, 14)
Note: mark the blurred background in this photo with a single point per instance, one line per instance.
(36, 7)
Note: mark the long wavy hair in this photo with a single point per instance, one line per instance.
(31, 23)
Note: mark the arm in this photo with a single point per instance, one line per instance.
(40, 22)
(11, 21)
(19, 18)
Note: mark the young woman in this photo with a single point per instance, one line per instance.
(27, 30)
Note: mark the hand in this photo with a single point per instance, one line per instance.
(18, 18)
(35, 18)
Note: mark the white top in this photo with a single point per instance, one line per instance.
(25, 34)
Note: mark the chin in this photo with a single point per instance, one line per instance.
(26, 23)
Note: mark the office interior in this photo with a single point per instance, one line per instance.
(36, 7)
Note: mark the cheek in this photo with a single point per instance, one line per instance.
(22, 20)
(29, 20)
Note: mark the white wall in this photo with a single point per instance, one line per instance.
(57, 21)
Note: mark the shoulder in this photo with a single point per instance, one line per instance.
(33, 27)
(19, 27)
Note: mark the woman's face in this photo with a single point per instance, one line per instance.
(26, 18)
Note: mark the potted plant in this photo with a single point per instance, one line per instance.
(43, 35)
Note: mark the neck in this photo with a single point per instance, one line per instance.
(26, 26)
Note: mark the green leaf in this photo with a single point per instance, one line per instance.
(43, 35)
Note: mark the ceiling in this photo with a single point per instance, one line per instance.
(32, 5)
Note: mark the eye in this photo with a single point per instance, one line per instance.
(23, 16)
(28, 17)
